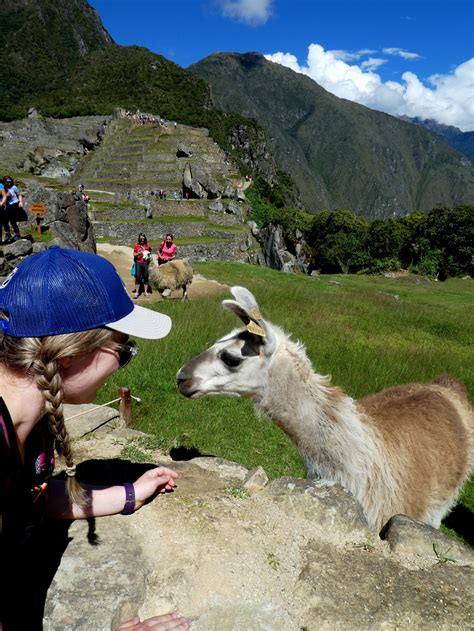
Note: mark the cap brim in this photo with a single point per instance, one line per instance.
(143, 323)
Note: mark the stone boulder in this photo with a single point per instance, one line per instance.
(198, 183)
(216, 207)
(230, 551)
(183, 150)
(66, 217)
(275, 250)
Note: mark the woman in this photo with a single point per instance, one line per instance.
(142, 259)
(65, 318)
(14, 204)
(166, 250)
(4, 223)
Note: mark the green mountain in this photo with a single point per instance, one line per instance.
(462, 141)
(59, 59)
(42, 40)
(339, 153)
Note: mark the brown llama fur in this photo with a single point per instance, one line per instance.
(408, 449)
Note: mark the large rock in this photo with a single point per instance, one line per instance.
(183, 151)
(275, 250)
(295, 554)
(198, 183)
(66, 217)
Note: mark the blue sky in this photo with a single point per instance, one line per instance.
(414, 58)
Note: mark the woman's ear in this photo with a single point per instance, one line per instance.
(65, 362)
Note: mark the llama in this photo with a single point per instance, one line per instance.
(407, 449)
(177, 274)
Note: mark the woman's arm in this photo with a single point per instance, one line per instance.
(110, 500)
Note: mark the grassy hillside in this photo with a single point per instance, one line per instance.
(357, 331)
(41, 43)
(339, 153)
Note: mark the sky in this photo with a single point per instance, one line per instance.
(413, 58)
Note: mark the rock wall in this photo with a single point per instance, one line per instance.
(233, 552)
(275, 252)
(66, 217)
(48, 146)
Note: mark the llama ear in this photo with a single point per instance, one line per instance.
(246, 308)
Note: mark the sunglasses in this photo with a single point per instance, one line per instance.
(126, 352)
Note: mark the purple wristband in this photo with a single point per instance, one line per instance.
(129, 506)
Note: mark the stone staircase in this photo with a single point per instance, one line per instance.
(123, 178)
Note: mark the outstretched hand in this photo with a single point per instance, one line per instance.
(158, 480)
(167, 622)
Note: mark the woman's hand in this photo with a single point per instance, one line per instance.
(167, 622)
(158, 480)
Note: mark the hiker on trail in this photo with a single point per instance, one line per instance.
(65, 322)
(142, 260)
(166, 250)
(15, 211)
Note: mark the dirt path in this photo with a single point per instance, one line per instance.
(121, 256)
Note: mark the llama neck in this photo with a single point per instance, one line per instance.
(322, 421)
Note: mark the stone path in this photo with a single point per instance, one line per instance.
(121, 256)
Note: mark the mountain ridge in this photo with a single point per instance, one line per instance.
(340, 153)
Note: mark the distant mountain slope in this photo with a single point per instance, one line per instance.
(41, 41)
(58, 57)
(339, 153)
(462, 141)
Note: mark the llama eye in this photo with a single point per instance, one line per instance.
(230, 360)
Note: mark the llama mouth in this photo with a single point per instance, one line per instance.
(185, 387)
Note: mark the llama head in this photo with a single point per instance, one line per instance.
(237, 363)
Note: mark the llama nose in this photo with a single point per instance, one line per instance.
(184, 386)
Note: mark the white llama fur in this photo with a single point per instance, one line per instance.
(407, 449)
(177, 274)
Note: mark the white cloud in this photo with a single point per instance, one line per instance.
(400, 52)
(251, 12)
(372, 63)
(448, 98)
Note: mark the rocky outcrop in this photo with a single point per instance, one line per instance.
(292, 554)
(65, 216)
(275, 250)
(251, 145)
(198, 183)
(48, 146)
(183, 150)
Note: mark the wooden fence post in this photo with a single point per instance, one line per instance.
(125, 406)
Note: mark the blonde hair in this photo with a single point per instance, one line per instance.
(39, 357)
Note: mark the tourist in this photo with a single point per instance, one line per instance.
(4, 223)
(15, 211)
(142, 260)
(65, 322)
(166, 250)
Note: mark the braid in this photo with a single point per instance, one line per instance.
(49, 381)
(39, 357)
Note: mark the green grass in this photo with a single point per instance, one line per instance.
(357, 332)
(45, 237)
(106, 206)
(165, 219)
(200, 240)
(237, 228)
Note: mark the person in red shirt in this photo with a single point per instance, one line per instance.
(167, 250)
(142, 258)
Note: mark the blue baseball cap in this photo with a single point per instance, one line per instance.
(66, 291)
